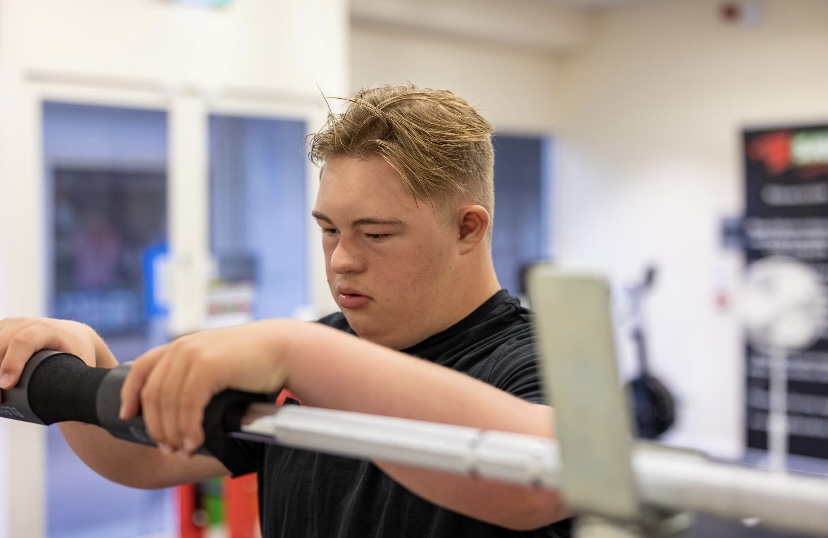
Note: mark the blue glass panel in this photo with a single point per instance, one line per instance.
(521, 214)
(105, 171)
(258, 208)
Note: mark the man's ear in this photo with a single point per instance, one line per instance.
(474, 223)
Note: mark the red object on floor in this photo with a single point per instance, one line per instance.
(187, 527)
(241, 499)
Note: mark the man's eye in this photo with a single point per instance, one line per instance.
(329, 230)
(377, 237)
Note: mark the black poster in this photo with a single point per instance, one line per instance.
(105, 221)
(786, 172)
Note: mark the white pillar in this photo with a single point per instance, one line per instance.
(22, 289)
(188, 185)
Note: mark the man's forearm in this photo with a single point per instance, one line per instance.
(135, 465)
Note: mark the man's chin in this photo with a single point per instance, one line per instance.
(365, 326)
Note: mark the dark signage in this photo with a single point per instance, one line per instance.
(786, 214)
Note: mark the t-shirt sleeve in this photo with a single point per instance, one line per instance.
(516, 369)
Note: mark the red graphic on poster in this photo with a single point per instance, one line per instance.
(773, 149)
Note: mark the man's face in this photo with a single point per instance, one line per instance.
(388, 258)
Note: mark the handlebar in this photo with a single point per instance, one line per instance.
(57, 387)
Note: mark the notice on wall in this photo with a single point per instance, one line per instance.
(786, 214)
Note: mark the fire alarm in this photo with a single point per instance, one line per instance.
(740, 12)
(730, 11)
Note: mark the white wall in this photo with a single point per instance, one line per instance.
(516, 88)
(152, 53)
(650, 162)
(647, 108)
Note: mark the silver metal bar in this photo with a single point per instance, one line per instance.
(507, 457)
(668, 479)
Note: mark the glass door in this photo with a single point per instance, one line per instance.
(258, 216)
(163, 219)
(106, 188)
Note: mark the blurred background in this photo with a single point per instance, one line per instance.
(154, 181)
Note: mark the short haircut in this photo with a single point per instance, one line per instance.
(437, 142)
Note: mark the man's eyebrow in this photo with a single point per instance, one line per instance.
(377, 220)
(319, 216)
(363, 221)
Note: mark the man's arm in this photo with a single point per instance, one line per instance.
(368, 379)
(510, 506)
(134, 465)
(172, 385)
(330, 369)
(121, 461)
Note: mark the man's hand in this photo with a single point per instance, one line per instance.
(172, 384)
(20, 338)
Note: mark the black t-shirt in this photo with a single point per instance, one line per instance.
(305, 494)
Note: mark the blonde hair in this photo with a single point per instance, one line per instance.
(438, 143)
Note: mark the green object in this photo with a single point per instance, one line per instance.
(211, 493)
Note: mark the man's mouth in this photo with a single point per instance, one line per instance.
(349, 298)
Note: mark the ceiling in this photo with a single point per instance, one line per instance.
(550, 25)
(602, 3)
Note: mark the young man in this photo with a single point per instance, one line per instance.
(405, 207)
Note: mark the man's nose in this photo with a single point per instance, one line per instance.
(346, 259)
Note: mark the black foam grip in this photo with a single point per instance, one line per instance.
(224, 414)
(57, 387)
(63, 387)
